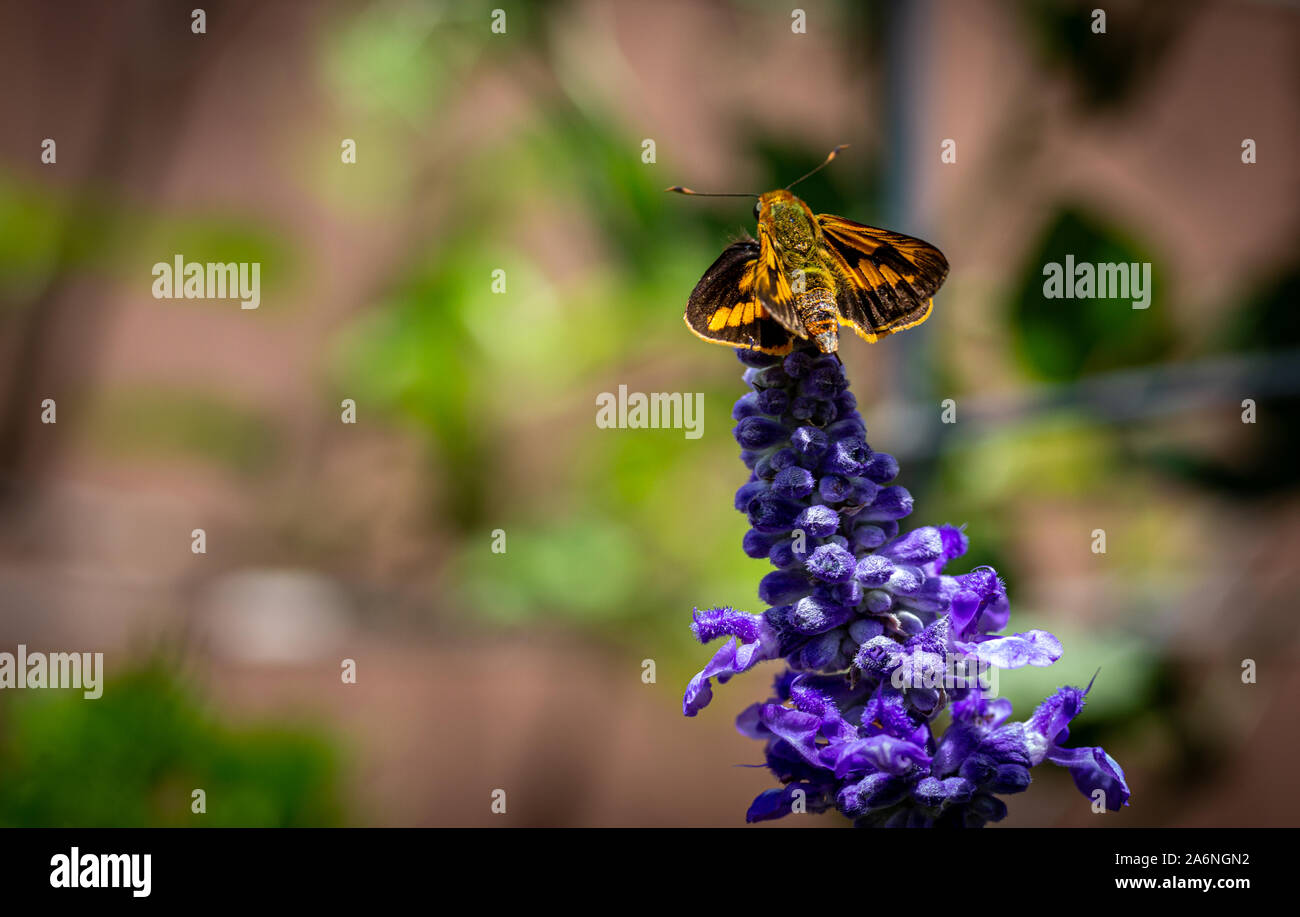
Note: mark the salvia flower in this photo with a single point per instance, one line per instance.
(877, 639)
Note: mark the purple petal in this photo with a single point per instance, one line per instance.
(1052, 718)
(799, 729)
(1035, 647)
(732, 658)
(1093, 769)
(877, 753)
(771, 804)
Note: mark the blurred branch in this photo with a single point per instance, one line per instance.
(136, 106)
(1117, 397)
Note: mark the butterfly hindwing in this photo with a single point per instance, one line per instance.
(726, 307)
(890, 278)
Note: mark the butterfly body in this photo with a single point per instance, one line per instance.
(806, 274)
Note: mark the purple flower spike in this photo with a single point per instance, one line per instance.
(877, 640)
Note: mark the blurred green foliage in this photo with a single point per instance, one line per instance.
(171, 424)
(1266, 322)
(43, 231)
(1108, 71)
(133, 756)
(1063, 339)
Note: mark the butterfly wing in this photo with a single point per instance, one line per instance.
(772, 285)
(890, 278)
(725, 307)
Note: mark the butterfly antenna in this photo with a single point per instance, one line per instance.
(833, 153)
(680, 190)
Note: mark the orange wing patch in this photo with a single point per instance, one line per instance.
(890, 278)
(726, 306)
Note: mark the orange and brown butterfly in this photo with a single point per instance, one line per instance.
(807, 274)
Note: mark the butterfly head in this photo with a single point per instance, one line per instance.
(787, 219)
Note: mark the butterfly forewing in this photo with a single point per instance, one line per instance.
(727, 308)
(889, 277)
(773, 286)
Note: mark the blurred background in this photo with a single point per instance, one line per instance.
(475, 411)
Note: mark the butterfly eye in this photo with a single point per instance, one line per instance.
(758, 209)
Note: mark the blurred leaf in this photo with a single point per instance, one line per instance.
(1109, 67)
(133, 756)
(1267, 318)
(1059, 455)
(29, 239)
(1261, 463)
(193, 425)
(42, 231)
(584, 570)
(1063, 339)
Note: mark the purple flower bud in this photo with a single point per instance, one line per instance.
(908, 623)
(892, 503)
(783, 554)
(758, 432)
(878, 601)
(874, 570)
(987, 808)
(812, 615)
(847, 456)
(757, 544)
(865, 491)
(831, 564)
(878, 656)
(823, 413)
(756, 359)
(748, 492)
(849, 427)
(818, 521)
(919, 546)
(769, 377)
(863, 629)
(797, 364)
(746, 406)
(822, 383)
(784, 458)
(881, 468)
(835, 488)
(803, 408)
(724, 622)
(979, 769)
(769, 512)
(810, 444)
(868, 537)
(793, 483)
(772, 401)
(1010, 778)
(905, 580)
(955, 542)
(819, 652)
(933, 792)
(846, 593)
(781, 586)
(873, 791)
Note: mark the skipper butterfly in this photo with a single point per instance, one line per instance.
(807, 274)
